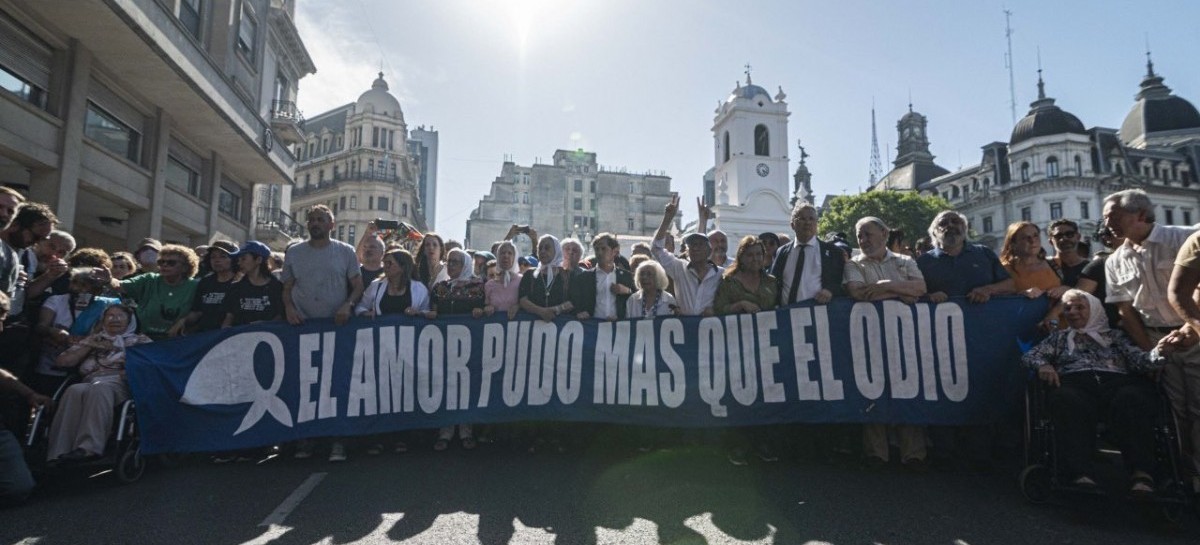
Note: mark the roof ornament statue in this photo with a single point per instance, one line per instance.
(780, 95)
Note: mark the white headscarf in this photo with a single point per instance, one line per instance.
(1097, 324)
(548, 268)
(468, 269)
(513, 271)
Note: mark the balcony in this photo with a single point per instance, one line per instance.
(287, 121)
(273, 225)
(360, 176)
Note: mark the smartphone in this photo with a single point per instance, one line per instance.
(387, 225)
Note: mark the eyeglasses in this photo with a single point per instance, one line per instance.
(168, 262)
(948, 222)
(1062, 235)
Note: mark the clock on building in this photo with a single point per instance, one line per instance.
(762, 169)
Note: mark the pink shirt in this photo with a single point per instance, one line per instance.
(500, 296)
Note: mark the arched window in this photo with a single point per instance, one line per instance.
(954, 191)
(1024, 172)
(1120, 168)
(726, 148)
(1078, 166)
(353, 203)
(404, 209)
(987, 182)
(1052, 167)
(762, 140)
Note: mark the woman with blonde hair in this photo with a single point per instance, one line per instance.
(1032, 275)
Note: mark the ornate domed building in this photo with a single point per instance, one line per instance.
(1053, 167)
(356, 160)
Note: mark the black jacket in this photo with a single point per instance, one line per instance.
(833, 262)
(583, 291)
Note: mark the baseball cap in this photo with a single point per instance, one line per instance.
(252, 247)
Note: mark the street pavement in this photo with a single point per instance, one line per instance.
(604, 494)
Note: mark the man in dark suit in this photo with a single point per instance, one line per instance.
(602, 291)
(819, 275)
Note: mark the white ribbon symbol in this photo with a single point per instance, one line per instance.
(225, 376)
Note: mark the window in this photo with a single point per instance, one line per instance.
(1187, 216)
(353, 202)
(1169, 215)
(592, 186)
(762, 140)
(351, 239)
(1024, 172)
(1085, 210)
(341, 232)
(954, 191)
(342, 203)
(229, 202)
(578, 185)
(247, 32)
(374, 137)
(726, 150)
(975, 184)
(321, 176)
(945, 195)
(629, 224)
(404, 209)
(1026, 214)
(1052, 167)
(1055, 210)
(578, 203)
(382, 203)
(370, 165)
(525, 198)
(25, 62)
(24, 90)
(987, 224)
(182, 178)
(391, 139)
(335, 172)
(1078, 166)
(370, 202)
(516, 198)
(112, 134)
(189, 15)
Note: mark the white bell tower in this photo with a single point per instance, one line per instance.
(750, 142)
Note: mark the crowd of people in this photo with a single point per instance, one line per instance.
(1117, 317)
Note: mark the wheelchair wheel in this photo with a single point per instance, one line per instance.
(1035, 484)
(131, 464)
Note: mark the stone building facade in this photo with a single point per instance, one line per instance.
(1053, 167)
(571, 197)
(149, 117)
(356, 160)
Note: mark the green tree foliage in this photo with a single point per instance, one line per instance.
(899, 209)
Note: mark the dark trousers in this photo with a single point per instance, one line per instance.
(1128, 404)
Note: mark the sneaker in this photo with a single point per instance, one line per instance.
(737, 457)
(304, 450)
(337, 452)
(400, 448)
(375, 449)
(223, 458)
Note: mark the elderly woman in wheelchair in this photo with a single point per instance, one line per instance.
(83, 420)
(1091, 372)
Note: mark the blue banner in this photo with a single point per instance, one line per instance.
(947, 363)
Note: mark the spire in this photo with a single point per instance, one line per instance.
(1149, 65)
(1041, 86)
(876, 169)
(748, 82)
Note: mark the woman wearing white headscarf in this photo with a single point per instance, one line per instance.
(84, 416)
(1093, 372)
(545, 291)
(503, 293)
(461, 294)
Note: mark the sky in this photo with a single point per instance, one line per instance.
(637, 81)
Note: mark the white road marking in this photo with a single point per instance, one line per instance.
(276, 517)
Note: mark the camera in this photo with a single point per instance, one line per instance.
(386, 225)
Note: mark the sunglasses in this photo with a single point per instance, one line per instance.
(1068, 234)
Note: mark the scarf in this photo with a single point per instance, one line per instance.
(512, 272)
(547, 269)
(1097, 324)
(468, 271)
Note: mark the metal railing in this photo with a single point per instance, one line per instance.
(286, 110)
(274, 218)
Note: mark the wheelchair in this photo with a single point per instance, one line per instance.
(1042, 478)
(122, 453)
